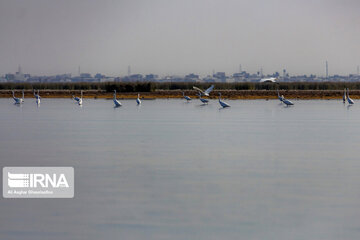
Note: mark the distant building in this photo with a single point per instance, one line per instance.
(220, 76)
(17, 77)
(172, 79)
(99, 75)
(136, 77)
(151, 77)
(240, 77)
(209, 79)
(192, 78)
(107, 79)
(85, 75)
(3, 79)
(10, 77)
(132, 78)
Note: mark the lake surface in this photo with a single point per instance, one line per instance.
(175, 170)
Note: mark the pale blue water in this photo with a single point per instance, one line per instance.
(175, 170)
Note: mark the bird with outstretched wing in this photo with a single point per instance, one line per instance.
(206, 92)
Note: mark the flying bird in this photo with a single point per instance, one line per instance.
(206, 92)
(266, 80)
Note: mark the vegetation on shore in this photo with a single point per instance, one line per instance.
(155, 86)
(151, 90)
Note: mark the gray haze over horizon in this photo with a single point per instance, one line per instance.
(177, 37)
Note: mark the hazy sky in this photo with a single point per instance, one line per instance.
(179, 36)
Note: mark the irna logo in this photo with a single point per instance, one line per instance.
(38, 182)
(34, 180)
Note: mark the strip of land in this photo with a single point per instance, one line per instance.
(228, 94)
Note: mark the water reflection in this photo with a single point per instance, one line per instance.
(181, 171)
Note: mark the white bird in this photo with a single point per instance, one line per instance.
(116, 102)
(281, 98)
(344, 96)
(266, 80)
(18, 100)
(37, 96)
(350, 101)
(206, 92)
(186, 97)
(80, 101)
(203, 100)
(138, 101)
(222, 103)
(287, 102)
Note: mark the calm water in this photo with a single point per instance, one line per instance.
(175, 170)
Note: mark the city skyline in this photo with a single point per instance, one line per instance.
(179, 37)
(240, 70)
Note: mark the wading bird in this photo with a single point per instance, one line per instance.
(75, 98)
(37, 96)
(116, 102)
(80, 101)
(222, 103)
(186, 97)
(350, 101)
(281, 98)
(203, 100)
(287, 102)
(18, 100)
(138, 101)
(206, 92)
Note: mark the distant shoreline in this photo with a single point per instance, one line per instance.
(164, 94)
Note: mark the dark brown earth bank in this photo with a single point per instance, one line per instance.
(229, 94)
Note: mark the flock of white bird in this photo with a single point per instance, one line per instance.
(118, 103)
(201, 93)
(187, 98)
(207, 93)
